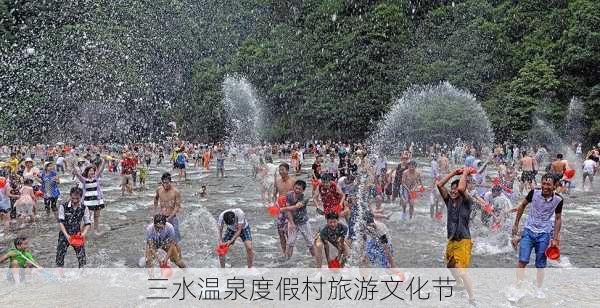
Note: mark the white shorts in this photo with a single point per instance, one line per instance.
(306, 233)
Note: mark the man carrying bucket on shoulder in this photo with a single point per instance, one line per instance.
(540, 232)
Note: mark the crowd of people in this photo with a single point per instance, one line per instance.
(348, 185)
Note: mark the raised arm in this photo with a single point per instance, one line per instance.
(441, 184)
(462, 184)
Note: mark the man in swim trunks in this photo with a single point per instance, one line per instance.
(161, 235)
(411, 181)
(169, 200)
(528, 173)
(558, 168)
(283, 185)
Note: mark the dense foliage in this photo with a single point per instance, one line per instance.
(327, 68)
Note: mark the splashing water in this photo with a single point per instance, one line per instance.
(433, 113)
(243, 114)
(575, 120)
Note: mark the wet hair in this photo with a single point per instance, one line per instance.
(165, 176)
(455, 182)
(412, 163)
(269, 159)
(76, 191)
(229, 217)
(160, 219)
(559, 156)
(19, 240)
(332, 215)
(300, 183)
(285, 165)
(549, 176)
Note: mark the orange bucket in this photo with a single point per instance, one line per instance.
(76, 240)
(273, 210)
(553, 253)
(282, 200)
(334, 264)
(569, 174)
(413, 195)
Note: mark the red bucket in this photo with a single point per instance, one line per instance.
(222, 250)
(553, 253)
(76, 240)
(315, 183)
(413, 195)
(2, 182)
(335, 263)
(165, 270)
(569, 174)
(273, 210)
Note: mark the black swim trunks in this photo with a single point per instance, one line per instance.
(528, 176)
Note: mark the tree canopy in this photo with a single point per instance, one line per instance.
(327, 68)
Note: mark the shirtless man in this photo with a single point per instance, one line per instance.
(283, 184)
(397, 183)
(169, 199)
(557, 170)
(411, 180)
(443, 164)
(528, 173)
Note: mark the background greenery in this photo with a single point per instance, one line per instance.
(328, 68)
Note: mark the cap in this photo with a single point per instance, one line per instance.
(28, 160)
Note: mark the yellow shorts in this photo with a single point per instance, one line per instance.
(459, 252)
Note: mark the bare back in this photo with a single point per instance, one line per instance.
(527, 163)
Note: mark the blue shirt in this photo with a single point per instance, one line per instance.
(49, 187)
